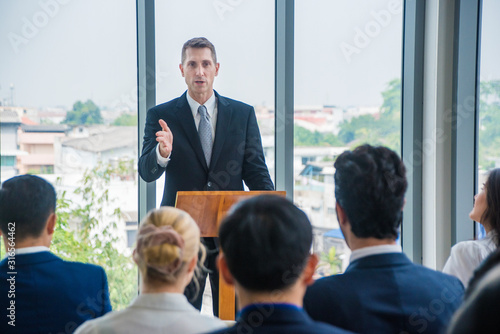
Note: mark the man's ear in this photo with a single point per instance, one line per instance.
(182, 69)
(341, 215)
(310, 268)
(51, 223)
(224, 270)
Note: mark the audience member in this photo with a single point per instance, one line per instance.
(479, 313)
(265, 246)
(467, 255)
(489, 263)
(168, 242)
(41, 293)
(381, 291)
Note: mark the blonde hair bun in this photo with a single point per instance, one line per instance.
(160, 248)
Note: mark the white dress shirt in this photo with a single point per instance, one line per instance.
(153, 313)
(211, 106)
(374, 250)
(466, 256)
(31, 250)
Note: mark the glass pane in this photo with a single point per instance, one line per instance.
(243, 35)
(489, 105)
(245, 51)
(347, 92)
(69, 114)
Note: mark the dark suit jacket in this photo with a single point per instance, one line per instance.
(278, 318)
(481, 310)
(51, 295)
(385, 293)
(237, 154)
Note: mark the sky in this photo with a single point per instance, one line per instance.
(56, 52)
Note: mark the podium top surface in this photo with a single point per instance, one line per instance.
(208, 208)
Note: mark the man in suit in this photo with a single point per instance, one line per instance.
(381, 291)
(265, 244)
(203, 141)
(41, 293)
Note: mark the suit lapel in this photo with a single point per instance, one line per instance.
(186, 120)
(224, 114)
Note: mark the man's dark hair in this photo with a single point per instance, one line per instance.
(266, 241)
(198, 43)
(370, 183)
(27, 201)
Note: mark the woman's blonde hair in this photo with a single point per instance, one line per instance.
(168, 238)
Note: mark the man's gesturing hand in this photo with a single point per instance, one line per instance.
(165, 139)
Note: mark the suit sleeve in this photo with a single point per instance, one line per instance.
(106, 303)
(254, 171)
(149, 169)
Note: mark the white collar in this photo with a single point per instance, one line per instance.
(164, 300)
(209, 104)
(374, 250)
(31, 250)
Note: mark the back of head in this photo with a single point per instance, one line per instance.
(479, 313)
(168, 238)
(27, 201)
(266, 242)
(370, 183)
(492, 213)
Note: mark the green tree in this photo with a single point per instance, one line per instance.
(304, 137)
(125, 120)
(93, 242)
(489, 124)
(84, 113)
(382, 130)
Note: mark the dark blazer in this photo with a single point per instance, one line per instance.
(280, 318)
(237, 154)
(385, 293)
(480, 312)
(51, 295)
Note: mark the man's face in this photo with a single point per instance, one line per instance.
(199, 71)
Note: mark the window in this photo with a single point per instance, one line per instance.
(68, 87)
(347, 92)
(245, 51)
(8, 161)
(489, 95)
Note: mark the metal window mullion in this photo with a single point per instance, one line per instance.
(465, 116)
(284, 104)
(412, 125)
(146, 89)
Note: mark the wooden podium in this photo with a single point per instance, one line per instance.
(208, 208)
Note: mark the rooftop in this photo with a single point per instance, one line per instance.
(9, 116)
(108, 139)
(45, 128)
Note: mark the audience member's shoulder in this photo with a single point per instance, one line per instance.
(479, 314)
(327, 290)
(327, 281)
(466, 248)
(428, 278)
(311, 328)
(84, 267)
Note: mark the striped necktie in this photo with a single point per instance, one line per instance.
(205, 133)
